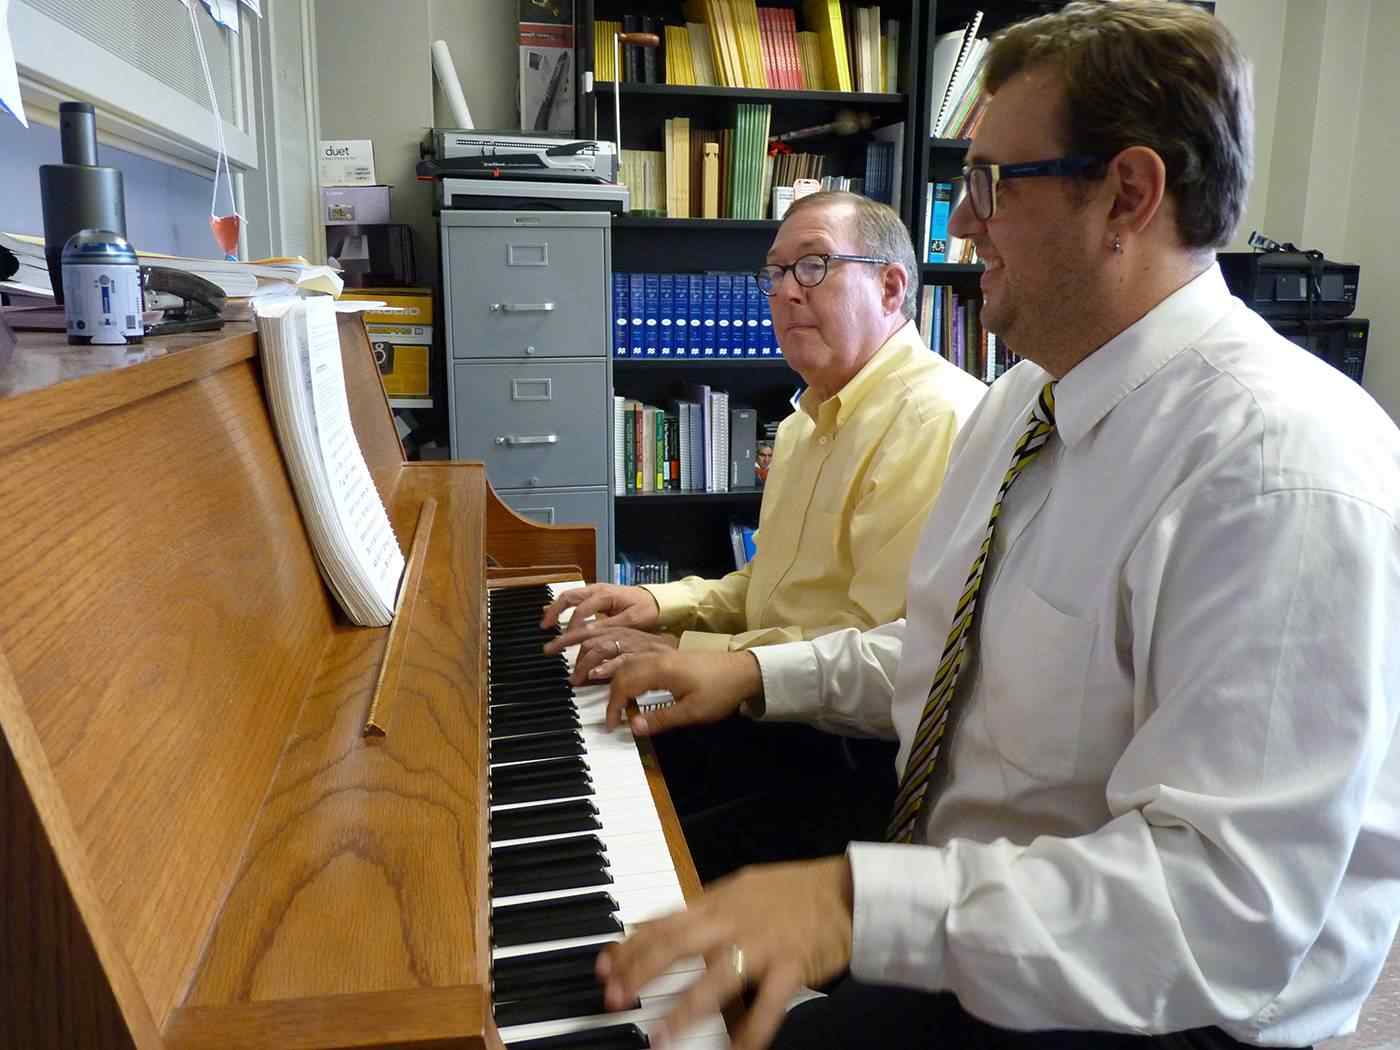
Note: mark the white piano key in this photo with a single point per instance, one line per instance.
(652, 1010)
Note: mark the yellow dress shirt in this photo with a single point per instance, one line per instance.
(852, 480)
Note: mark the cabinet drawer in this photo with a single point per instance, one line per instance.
(534, 424)
(569, 507)
(528, 292)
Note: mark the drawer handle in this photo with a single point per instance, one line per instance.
(522, 308)
(514, 440)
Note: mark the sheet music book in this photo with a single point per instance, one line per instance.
(356, 549)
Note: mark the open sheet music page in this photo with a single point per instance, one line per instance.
(355, 545)
(357, 501)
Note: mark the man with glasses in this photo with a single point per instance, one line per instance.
(854, 473)
(1148, 688)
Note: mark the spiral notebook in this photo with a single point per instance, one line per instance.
(356, 549)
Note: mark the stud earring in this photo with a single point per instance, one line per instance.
(1117, 245)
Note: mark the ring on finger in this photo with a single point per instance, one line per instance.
(737, 964)
(618, 645)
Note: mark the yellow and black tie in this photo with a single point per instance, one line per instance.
(923, 757)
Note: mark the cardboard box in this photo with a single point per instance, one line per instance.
(403, 306)
(354, 205)
(347, 162)
(547, 73)
(404, 368)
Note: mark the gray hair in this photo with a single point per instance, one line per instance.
(878, 230)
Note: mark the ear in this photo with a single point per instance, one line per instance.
(894, 282)
(1138, 179)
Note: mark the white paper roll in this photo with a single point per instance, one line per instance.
(451, 86)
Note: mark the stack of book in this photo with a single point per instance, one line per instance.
(680, 316)
(632, 569)
(699, 443)
(950, 323)
(736, 43)
(956, 95)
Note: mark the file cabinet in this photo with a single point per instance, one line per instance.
(526, 304)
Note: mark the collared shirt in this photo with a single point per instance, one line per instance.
(852, 480)
(1171, 797)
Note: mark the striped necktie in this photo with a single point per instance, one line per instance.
(923, 756)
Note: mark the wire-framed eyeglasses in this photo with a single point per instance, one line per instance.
(981, 179)
(808, 270)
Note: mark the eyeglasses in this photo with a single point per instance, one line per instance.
(809, 271)
(981, 179)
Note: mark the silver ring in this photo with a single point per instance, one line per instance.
(736, 963)
(619, 646)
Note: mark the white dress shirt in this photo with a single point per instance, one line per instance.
(1171, 797)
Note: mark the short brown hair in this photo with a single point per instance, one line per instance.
(878, 230)
(1152, 73)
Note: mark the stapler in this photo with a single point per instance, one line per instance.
(188, 302)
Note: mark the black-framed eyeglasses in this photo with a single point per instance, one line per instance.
(981, 179)
(809, 270)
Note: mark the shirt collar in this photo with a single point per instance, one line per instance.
(836, 409)
(1092, 388)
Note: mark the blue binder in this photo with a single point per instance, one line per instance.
(636, 328)
(711, 315)
(621, 290)
(651, 314)
(666, 314)
(680, 314)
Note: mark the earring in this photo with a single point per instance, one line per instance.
(1117, 245)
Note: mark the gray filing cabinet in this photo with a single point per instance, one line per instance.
(526, 305)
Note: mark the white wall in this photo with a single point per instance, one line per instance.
(1373, 228)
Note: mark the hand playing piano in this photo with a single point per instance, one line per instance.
(603, 647)
(623, 607)
(773, 928)
(706, 686)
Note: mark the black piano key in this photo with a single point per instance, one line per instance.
(557, 818)
(517, 676)
(571, 876)
(546, 852)
(552, 719)
(539, 745)
(557, 930)
(535, 910)
(552, 1008)
(543, 791)
(533, 692)
(543, 662)
(536, 770)
(563, 959)
(576, 856)
(566, 984)
(614, 1037)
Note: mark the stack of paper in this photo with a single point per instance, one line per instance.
(355, 545)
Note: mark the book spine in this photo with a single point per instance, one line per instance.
(666, 315)
(651, 307)
(621, 288)
(636, 327)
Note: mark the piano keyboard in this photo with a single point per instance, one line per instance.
(578, 855)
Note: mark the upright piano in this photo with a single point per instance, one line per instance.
(207, 841)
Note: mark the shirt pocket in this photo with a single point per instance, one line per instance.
(1034, 677)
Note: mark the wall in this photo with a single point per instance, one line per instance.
(1373, 228)
(167, 208)
(375, 81)
(1258, 26)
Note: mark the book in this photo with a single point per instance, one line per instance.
(356, 549)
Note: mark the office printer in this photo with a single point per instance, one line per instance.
(1283, 282)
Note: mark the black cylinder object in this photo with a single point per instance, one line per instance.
(77, 133)
(78, 194)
